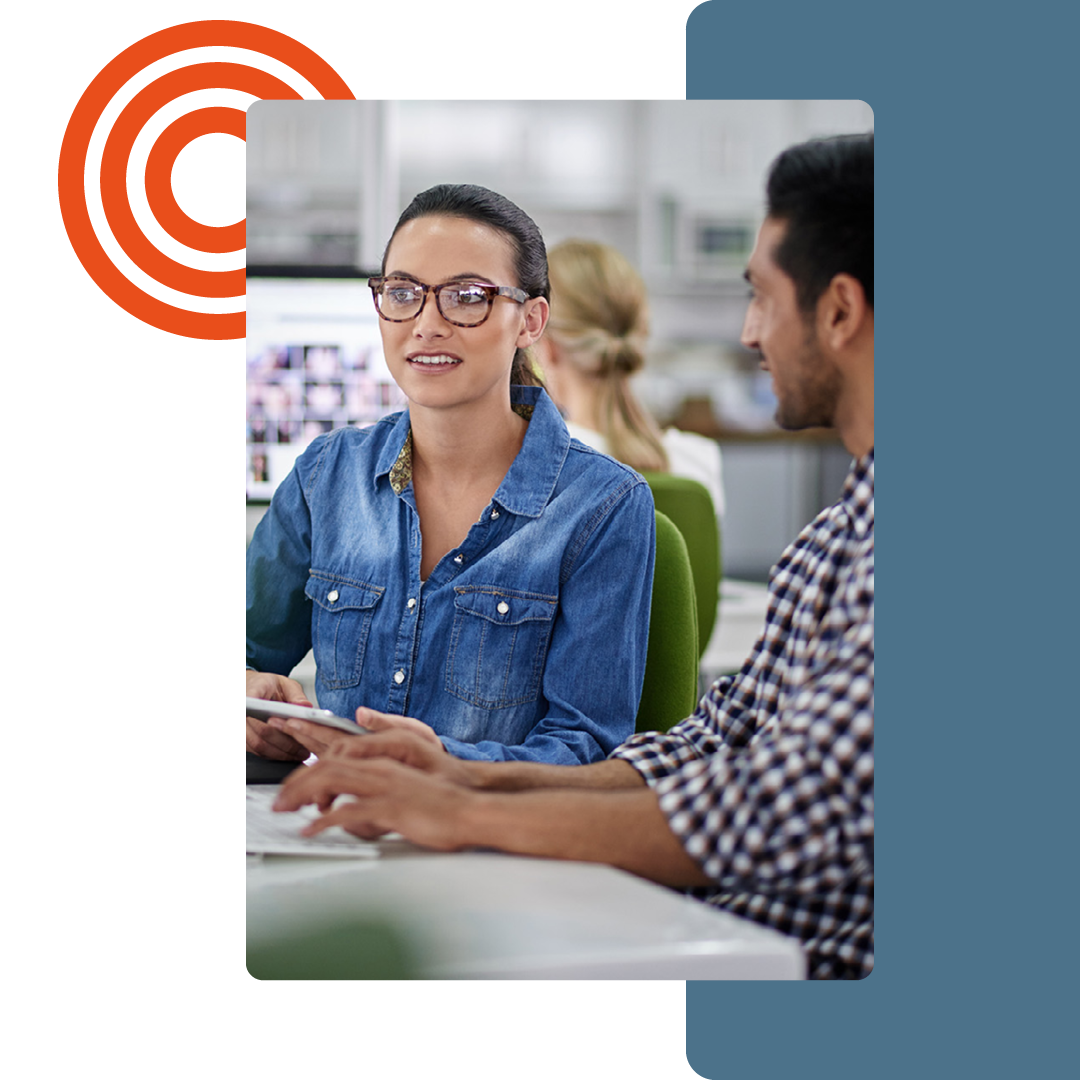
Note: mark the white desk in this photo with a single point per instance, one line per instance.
(485, 915)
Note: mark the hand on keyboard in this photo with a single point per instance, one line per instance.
(390, 797)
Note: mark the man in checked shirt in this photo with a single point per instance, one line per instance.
(762, 802)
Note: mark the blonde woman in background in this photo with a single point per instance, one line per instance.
(593, 343)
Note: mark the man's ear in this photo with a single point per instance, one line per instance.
(842, 312)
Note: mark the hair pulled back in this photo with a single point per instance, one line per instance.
(600, 321)
(479, 204)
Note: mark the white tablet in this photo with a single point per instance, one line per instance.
(263, 710)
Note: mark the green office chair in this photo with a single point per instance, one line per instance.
(360, 947)
(670, 690)
(688, 503)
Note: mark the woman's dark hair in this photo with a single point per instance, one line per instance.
(475, 203)
(824, 191)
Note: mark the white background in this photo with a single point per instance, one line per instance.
(123, 454)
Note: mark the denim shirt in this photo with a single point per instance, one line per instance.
(526, 642)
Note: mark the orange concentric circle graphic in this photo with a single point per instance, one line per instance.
(158, 175)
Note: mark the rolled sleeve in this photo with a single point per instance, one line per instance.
(794, 811)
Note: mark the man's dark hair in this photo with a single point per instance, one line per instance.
(824, 191)
(479, 204)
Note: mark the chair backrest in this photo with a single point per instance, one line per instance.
(669, 693)
(688, 503)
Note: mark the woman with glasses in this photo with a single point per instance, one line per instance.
(459, 562)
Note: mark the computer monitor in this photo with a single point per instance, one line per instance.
(314, 363)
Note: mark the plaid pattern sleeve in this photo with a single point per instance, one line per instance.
(770, 784)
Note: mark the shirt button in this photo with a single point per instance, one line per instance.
(412, 603)
(399, 677)
(503, 607)
(332, 595)
(459, 559)
(494, 514)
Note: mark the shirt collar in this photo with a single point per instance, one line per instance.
(530, 482)
(858, 493)
(528, 485)
(395, 458)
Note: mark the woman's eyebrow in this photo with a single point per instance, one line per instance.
(470, 276)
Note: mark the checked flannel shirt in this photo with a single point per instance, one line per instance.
(770, 784)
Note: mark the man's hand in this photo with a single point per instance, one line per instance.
(380, 721)
(389, 797)
(623, 828)
(400, 738)
(262, 739)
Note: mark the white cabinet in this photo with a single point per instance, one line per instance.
(772, 490)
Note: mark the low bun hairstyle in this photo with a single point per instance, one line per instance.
(600, 322)
(475, 203)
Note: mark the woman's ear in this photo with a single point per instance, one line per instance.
(535, 319)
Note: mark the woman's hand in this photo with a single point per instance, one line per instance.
(262, 738)
(389, 797)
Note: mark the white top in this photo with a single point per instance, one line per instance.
(689, 455)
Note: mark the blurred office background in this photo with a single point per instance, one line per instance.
(677, 186)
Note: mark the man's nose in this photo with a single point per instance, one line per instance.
(749, 335)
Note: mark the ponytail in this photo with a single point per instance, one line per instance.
(599, 318)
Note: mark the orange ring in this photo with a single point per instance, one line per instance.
(114, 170)
(73, 151)
(159, 188)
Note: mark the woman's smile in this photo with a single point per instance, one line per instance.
(433, 362)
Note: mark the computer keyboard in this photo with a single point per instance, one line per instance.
(270, 833)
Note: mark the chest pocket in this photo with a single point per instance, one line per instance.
(340, 625)
(498, 645)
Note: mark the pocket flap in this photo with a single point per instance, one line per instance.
(504, 606)
(334, 594)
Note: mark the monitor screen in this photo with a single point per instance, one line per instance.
(314, 363)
